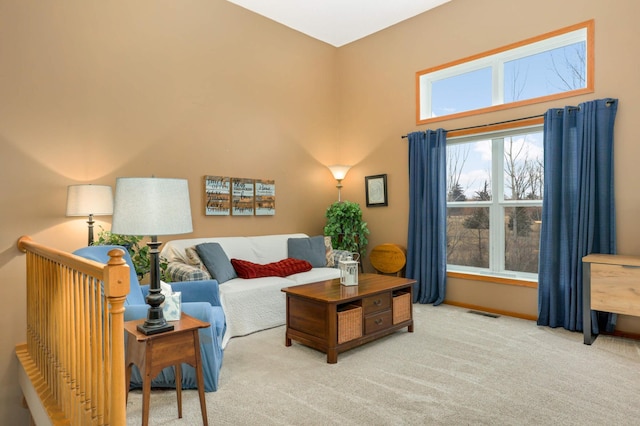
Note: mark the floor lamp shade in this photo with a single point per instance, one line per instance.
(339, 171)
(152, 206)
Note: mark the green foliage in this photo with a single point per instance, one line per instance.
(480, 217)
(139, 252)
(346, 228)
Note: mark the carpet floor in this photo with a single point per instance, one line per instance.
(457, 368)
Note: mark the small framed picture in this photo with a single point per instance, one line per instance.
(376, 189)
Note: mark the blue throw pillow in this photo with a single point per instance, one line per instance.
(310, 249)
(216, 262)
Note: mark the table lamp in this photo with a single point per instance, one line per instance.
(152, 207)
(89, 200)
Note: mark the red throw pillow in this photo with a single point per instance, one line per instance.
(282, 268)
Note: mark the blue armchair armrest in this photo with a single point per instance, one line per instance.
(193, 294)
(194, 291)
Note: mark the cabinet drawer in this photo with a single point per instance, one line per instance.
(376, 322)
(377, 303)
(615, 288)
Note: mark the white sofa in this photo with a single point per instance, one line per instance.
(254, 304)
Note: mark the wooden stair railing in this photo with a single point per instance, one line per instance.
(73, 359)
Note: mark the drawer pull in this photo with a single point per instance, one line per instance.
(378, 302)
(379, 321)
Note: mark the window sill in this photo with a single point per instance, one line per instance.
(493, 279)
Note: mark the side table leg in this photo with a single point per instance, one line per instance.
(586, 304)
(178, 374)
(127, 381)
(146, 396)
(200, 378)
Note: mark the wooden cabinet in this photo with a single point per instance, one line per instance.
(611, 283)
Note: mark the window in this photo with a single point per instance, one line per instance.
(551, 66)
(494, 203)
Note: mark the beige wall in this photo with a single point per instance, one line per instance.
(377, 106)
(94, 90)
(90, 91)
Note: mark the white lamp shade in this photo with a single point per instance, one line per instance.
(85, 200)
(151, 206)
(339, 171)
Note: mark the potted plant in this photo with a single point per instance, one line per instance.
(346, 228)
(139, 253)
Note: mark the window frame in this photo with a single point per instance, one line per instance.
(497, 57)
(496, 272)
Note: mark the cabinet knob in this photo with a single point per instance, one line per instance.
(379, 321)
(378, 302)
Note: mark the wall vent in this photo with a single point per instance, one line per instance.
(484, 314)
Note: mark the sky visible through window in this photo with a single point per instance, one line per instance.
(550, 72)
(473, 162)
(541, 74)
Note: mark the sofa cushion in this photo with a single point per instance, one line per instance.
(282, 268)
(216, 262)
(194, 260)
(328, 251)
(178, 271)
(315, 275)
(311, 249)
(260, 249)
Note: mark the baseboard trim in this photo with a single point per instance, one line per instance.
(616, 333)
(491, 310)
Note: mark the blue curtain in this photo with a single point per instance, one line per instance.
(427, 239)
(578, 211)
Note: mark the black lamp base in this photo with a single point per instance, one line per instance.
(155, 322)
(148, 330)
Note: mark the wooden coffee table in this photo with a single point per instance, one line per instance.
(333, 318)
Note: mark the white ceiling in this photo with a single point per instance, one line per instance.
(338, 22)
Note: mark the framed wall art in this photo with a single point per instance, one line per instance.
(376, 190)
(265, 201)
(217, 193)
(241, 197)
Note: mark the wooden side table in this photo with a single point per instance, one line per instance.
(151, 354)
(610, 283)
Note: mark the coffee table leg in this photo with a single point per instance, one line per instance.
(332, 356)
(287, 341)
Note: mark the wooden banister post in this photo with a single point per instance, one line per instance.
(116, 288)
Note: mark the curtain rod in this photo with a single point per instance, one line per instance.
(609, 102)
(490, 124)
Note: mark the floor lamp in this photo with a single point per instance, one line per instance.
(152, 207)
(89, 200)
(339, 172)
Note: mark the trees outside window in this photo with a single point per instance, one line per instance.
(494, 203)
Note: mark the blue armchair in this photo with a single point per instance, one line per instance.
(200, 299)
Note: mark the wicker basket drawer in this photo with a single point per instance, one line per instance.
(401, 307)
(349, 323)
